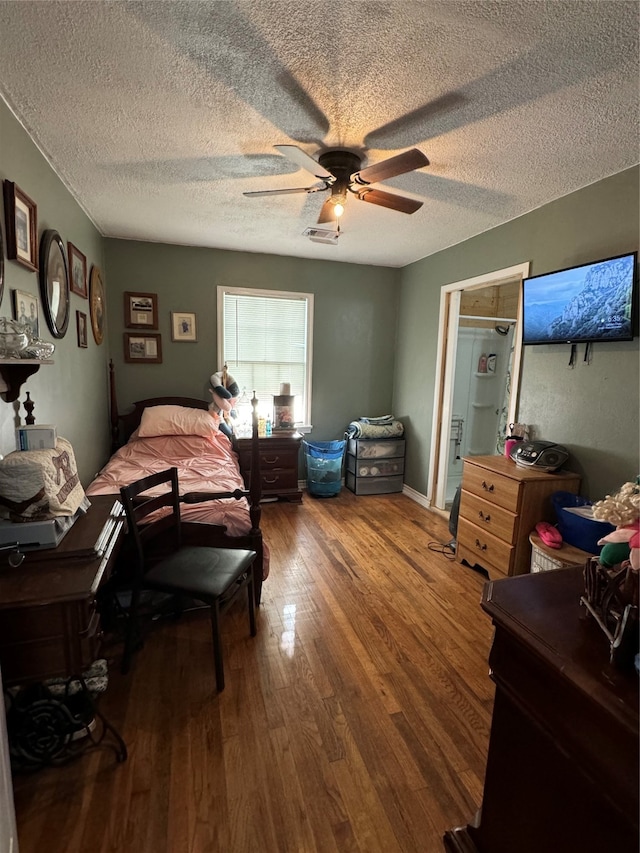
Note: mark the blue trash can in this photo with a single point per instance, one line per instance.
(324, 467)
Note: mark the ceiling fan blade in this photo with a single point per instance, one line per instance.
(390, 200)
(315, 188)
(327, 212)
(305, 161)
(398, 165)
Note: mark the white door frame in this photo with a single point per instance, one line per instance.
(450, 295)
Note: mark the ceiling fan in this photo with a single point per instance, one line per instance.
(339, 172)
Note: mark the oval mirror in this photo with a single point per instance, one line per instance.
(54, 283)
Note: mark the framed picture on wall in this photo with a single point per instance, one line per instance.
(183, 326)
(97, 304)
(21, 215)
(140, 310)
(142, 349)
(25, 311)
(77, 271)
(81, 325)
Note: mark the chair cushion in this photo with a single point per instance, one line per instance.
(200, 571)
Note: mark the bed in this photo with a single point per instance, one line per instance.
(163, 432)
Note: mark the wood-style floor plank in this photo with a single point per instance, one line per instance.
(356, 720)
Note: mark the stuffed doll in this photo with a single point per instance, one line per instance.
(623, 510)
(224, 390)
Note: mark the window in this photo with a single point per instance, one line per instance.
(265, 339)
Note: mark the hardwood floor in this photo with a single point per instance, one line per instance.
(357, 719)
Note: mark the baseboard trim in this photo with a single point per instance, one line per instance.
(416, 496)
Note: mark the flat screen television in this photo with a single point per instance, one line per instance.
(591, 302)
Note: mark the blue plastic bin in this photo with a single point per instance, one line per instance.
(575, 530)
(324, 467)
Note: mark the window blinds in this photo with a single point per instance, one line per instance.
(265, 344)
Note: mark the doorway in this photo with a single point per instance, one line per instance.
(478, 370)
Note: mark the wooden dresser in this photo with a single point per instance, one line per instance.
(279, 457)
(49, 622)
(500, 504)
(562, 766)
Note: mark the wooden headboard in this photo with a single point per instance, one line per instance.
(122, 427)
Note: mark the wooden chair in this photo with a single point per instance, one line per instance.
(214, 576)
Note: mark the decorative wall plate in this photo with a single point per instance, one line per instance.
(97, 304)
(54, 283)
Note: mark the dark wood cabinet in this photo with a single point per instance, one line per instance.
(49, 622)
(279, 463)
(562, 767)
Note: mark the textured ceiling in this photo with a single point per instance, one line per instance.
(159, 115)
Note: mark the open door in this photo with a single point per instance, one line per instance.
(470, 311)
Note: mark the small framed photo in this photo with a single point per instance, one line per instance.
(183, 326)
(25, 310)
(77, 271)
(142, 349)
(140, 310)
(21, 216)
(81, 325)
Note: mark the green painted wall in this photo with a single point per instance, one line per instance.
(375, 328)
(72, 393)
(355, 310)
(592, 408)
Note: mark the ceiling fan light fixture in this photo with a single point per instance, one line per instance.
(339, 172)
(338, 200)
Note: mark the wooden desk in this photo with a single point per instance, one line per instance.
(49, 623)
(562, 768)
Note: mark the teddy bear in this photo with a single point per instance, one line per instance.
(225, 392)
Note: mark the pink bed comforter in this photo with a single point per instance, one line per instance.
(204, 464)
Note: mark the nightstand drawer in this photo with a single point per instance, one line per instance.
(489, 517)
(496, 488)
(271, 460)
(278, 478)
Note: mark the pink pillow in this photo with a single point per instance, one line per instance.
(176, 420)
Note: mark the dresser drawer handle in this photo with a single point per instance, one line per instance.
(483, 517)
(270, 480)
(270, 461)
(481, 547)
(487, 488)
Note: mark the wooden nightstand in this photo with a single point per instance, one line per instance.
(279, 457)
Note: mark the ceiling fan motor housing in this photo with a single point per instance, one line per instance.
(342, 164)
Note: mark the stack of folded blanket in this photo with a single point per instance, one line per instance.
(385, 426)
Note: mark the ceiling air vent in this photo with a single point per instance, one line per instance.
(321, 235)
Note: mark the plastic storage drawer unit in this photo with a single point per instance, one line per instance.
(375, 466)
(367, 448)
(373, 485)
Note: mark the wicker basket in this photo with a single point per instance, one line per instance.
(544, 559)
